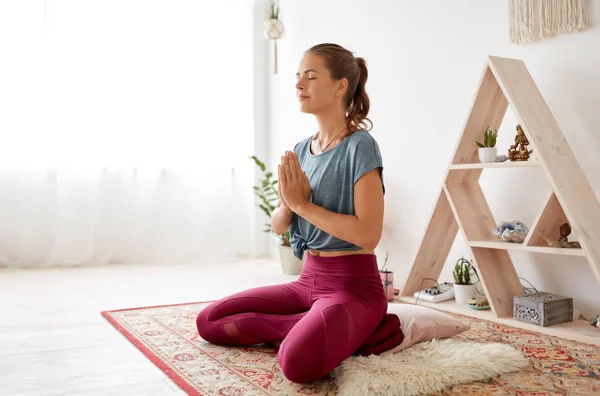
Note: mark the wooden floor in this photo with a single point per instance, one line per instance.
(53, 340)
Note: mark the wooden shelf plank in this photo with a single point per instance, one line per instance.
(441, 233)
(499, 279)
(497, 273)
(501, 245)
(472, 209)
(495, 165)
(487, 110)
(578, 330)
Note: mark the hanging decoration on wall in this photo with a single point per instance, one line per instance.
(274, 29)
(530, 20)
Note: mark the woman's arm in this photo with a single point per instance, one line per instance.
(365, 226)
(362, 229)
(281, 219)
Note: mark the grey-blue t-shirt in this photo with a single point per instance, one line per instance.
(332, 176)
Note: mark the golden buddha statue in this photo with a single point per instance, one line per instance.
(518, 151)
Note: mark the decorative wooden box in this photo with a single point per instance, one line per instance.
(543, 309)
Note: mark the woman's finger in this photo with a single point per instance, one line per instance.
(297, 167)
(306, 181)
(282, 180)
(288, 172)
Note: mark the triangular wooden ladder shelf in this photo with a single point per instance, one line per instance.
(461, 204)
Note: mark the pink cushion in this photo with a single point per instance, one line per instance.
(419, 323)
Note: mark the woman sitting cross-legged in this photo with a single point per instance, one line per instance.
(332, 201)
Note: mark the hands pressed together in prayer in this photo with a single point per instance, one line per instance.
(294, 187)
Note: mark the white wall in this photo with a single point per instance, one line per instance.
(425, 59)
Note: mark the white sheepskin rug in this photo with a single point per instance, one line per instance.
(426, 367)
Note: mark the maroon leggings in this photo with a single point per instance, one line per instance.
(321, 319)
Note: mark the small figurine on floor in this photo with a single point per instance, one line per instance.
(563, 242)
(518, 151)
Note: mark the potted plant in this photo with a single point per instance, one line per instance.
(274, 29)
(487, 149)
(267, 192)
(464, 290)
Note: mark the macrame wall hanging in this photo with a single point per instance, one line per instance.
(274, 29)
(536, 19)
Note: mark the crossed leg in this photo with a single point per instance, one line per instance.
(333, 330)
(314, 339)
(254, 316)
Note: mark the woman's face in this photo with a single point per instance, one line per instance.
(316, 90)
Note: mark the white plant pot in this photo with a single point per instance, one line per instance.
(463, 293)
(487, 154)
(290, 264)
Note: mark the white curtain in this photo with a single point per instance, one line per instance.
(126, 127)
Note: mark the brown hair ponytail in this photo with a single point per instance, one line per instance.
(359, 104)
(341, 63)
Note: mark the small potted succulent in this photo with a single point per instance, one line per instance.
(464, 290)
(487, 148)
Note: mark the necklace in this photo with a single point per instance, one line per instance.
(331, 141)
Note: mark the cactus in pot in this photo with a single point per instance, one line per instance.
(487, 148)
(464, 290)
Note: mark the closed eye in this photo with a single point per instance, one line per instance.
(306, 72)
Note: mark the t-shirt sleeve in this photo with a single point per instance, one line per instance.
(367, 158)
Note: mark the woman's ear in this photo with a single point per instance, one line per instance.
(341, 86)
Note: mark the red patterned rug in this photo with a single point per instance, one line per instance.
(167, 336)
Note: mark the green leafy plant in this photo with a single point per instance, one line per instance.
(462, 272)
(274, 10)
(267, 193)
(489, 138)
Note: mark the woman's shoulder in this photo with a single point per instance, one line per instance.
(362, 140)
(360, 136)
